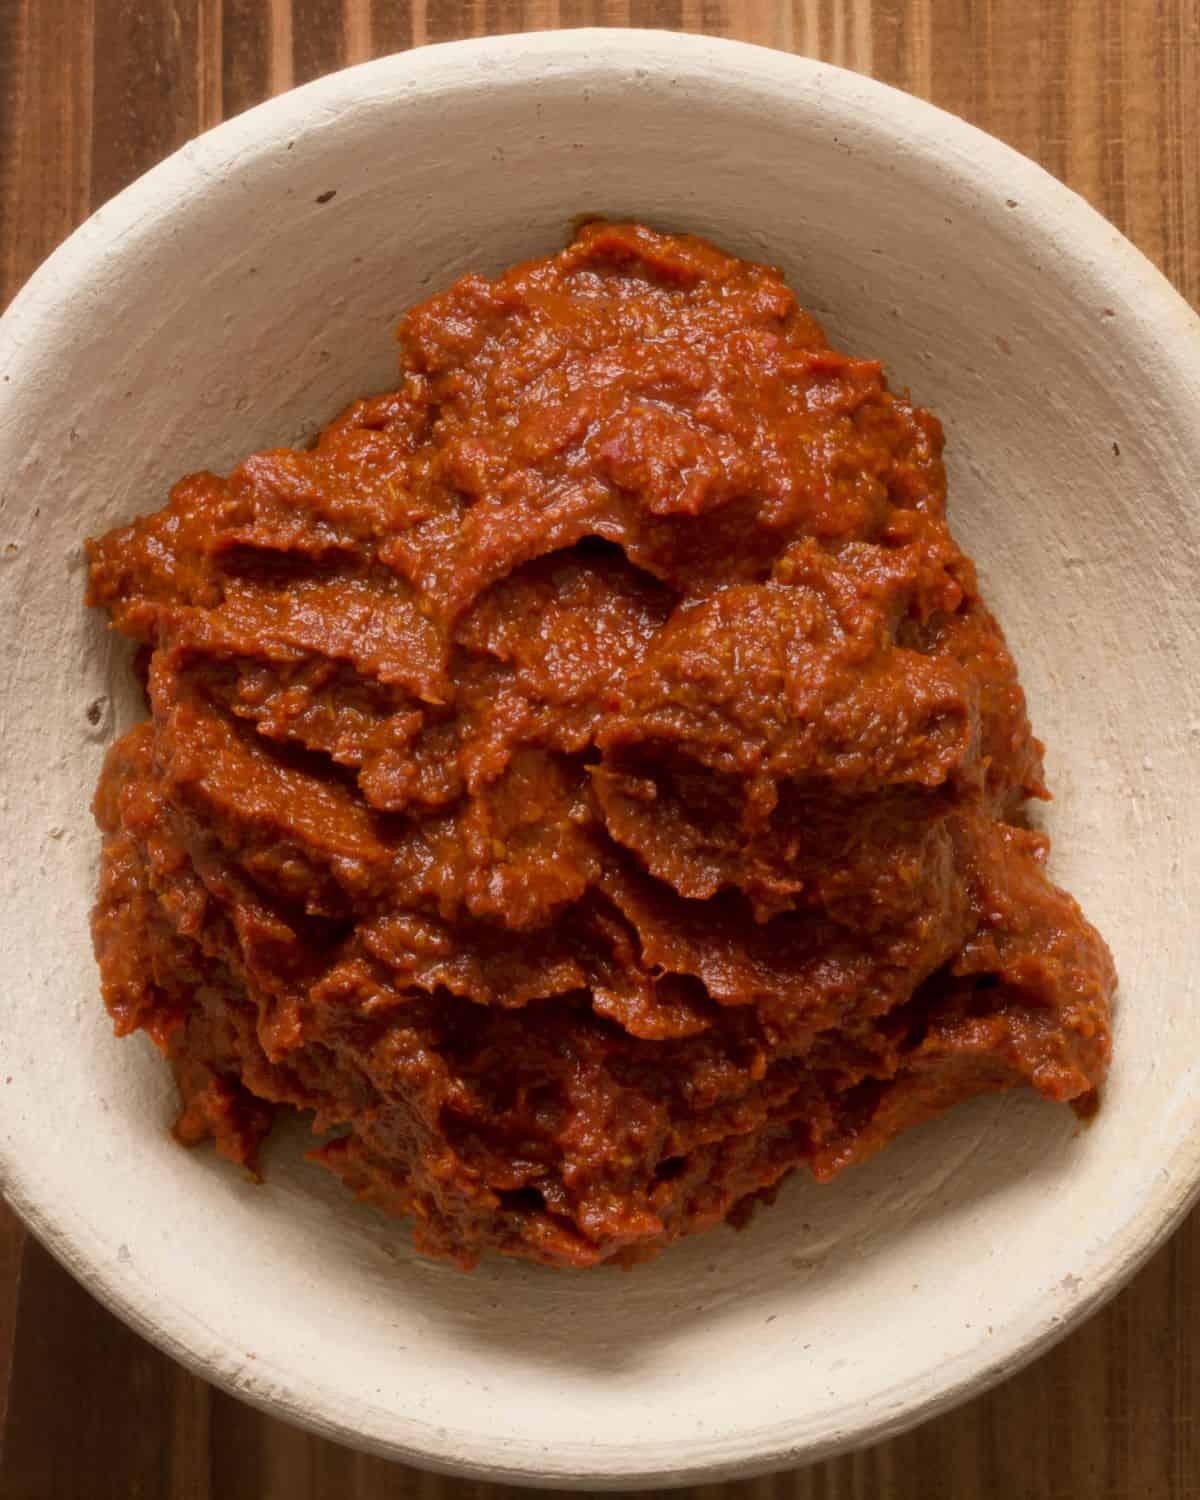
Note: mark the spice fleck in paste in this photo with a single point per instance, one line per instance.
(588, 780)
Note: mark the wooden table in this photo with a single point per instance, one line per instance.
(1106, 94)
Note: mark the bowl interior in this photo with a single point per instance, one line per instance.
(220, 306)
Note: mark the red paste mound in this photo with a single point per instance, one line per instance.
(588, 780)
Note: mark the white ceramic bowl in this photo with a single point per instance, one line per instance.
(219, 305)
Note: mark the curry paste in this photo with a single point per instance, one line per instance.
(588, 779)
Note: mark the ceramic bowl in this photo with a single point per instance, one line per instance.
(236, 297)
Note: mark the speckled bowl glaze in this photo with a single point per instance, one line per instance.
(237, 296)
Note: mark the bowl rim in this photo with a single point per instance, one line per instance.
(1058, 215)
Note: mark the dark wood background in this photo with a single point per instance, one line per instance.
(1105, 94)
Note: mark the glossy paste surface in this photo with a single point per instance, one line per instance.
(589, 779)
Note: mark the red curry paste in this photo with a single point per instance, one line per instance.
(588, 780)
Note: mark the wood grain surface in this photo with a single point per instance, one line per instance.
(1106, 95)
